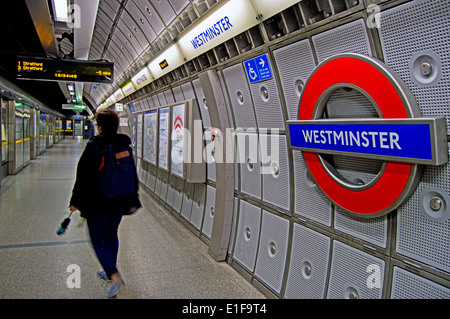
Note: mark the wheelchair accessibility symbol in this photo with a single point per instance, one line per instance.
(258, 69)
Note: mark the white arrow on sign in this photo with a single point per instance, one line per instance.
(261, 62)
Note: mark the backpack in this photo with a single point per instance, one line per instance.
(117, 172)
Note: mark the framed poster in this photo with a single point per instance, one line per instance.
(164, 127)
(178, 140)
(139, 135)
(151, 136)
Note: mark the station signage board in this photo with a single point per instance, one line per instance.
(400, 136)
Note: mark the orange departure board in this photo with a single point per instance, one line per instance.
(37, 68)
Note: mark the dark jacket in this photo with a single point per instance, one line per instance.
(87, 194)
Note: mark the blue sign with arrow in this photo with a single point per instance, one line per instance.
(258, 69)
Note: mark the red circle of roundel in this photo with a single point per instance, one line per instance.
(391, 184)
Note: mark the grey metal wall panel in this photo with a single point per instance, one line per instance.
(266, 100)
(239, 94)
(308, 267)
(350, 37)
(188, 91)
(416, 33)
(233, 225)
(227, 100)
(422, 233)
(209, 211)
(151, 15)
(169, 96)
(131, 37)
(374, 230)
(198, 205)
(248, 157)
(135, 30)
(151, 179)
(202, 103)
(349, 273)
(186, 205)
(406, 285)
(310, 201)
(275, 170)
(161, 99)
(165, 10)
(247, 235)
(178, 93)
(272, 250)
(141, 21)
(178, 5)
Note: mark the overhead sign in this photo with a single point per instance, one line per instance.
(73, 107)
(258, 69)
(37, 68)
(400, 137)
(408, 140)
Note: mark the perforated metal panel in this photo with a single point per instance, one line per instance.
(310, 201)
(169, 96)
(308, 264)
(150, 14)
(178, 93)
(272, 250)
(267, 105)
(406, 285)
(374, 230)
(164, 10)
(423, 233)
(275, 170)
(188, 91)
(209, 211)
(161, 184)
(202, 103)
(141, 20)
(198, 205)
(350, 273)
(178, 196)
(417, 33)
(239, 94)
(162, 99)
(247, 235)
(233, 225)
(248, 157)
(186, 205)
(350, 37)
(151, 179)
(294, 75)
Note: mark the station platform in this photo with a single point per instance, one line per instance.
(159, 258)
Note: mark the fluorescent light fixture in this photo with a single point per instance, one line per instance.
(60, 10)
(70, 87)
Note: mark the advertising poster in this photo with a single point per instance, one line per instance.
(164, 127)
(139, 135)
(177, 140)
(150, 136)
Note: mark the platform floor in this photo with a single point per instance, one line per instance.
(158, 256)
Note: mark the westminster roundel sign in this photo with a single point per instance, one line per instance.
(400, 136)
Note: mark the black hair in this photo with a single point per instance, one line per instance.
(108, 120)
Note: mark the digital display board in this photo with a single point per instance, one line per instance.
(36, 68)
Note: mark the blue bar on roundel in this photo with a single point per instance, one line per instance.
(409, 141)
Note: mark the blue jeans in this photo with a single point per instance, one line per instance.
(104, 238)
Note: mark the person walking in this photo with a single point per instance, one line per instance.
(104, 214)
